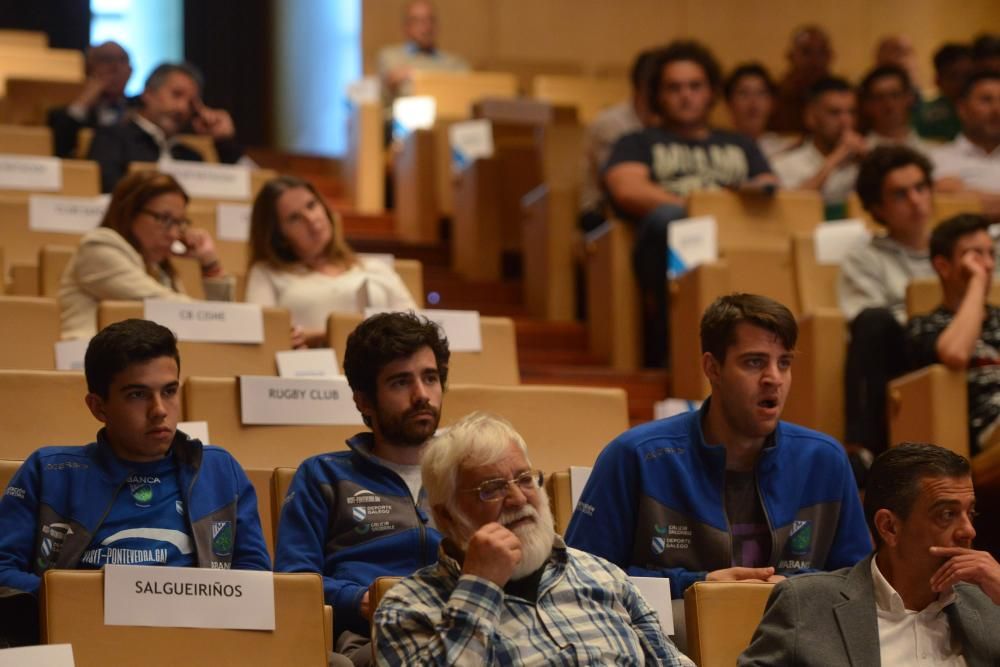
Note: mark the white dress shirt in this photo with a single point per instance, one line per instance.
(798, 165)
(908, 637)
(964, 160)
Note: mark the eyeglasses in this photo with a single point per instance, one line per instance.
(166, 220)
(493, 490)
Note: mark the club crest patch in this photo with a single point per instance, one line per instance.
(222, 538)
(658, 544)
(800, 538)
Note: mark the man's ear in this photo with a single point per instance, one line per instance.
(711, 367)
(887, 526)
(96, 405)
(941, 265)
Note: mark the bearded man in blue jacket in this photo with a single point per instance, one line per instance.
(143, 494)
(729, 492)
(360, 514)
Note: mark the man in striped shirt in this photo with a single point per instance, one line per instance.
(506, 590)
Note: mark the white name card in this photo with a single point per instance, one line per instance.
(209, 181)
(69, 215)
(232, 222)
(656, 592)
(470, 140)
(70, 353)
(197, 430)
(578, 476)
(834, 239)
(669, 407)
(273, 400)
(21, 172)
(416, 112)
(691, 242)
(460, 326)
(188, 597)
(209, 321)
(320, 363)
(54, 655)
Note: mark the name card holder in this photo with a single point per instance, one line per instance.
(834, 239)
(197, 430)
(656, 592)
(690, 243)
(209, 181)
(470, 140)
(209, 321)
(462, 327)
(52, 655)
(66, 215)
(70, 354)
(188, 597)
(319, 363)
(269, 400)
(21, 172)
(578, 476)
(416, 112)
(232, 222)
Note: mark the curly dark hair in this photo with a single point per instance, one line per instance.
(877, 165)
(386, 337)
(677, 51)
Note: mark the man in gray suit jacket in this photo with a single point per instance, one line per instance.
(924, 597)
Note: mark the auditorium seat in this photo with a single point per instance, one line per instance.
(40, 63)
(21, 243)
(495, 364)
(589, 95)
(25, 140)
(72, 612)
(80, 178)
(721, 617)
(557, 485)
(29, 329)
(376, 591)
(364, 163)
(281, 481)
(217, 359)
(263, 485)
(32, 39)
(562, 425)
(41, 408)
(217, 401)
(757, 221)
(28, 101)
(613, 307)
(7, 469)
(52, 262)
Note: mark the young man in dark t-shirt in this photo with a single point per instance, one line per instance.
(963, 333)
(651, 173)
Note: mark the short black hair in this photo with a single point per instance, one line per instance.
(745, 70)
(159, 75)
(894, 479)
(946, 235)
(718, 324)
(119, 345)
(641, 68)
(828, 84)
(882, 72)
(986, 46)
(975, 79)
(877, 165)
(677, 51)
(386, 337)
(949, 54)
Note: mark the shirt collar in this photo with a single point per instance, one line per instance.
(965, 146)
(156, 133)
(887, 599)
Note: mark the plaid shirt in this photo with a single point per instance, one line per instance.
(588, 612)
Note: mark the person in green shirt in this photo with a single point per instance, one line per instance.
(937, 119)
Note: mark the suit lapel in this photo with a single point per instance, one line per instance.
(967, 626)
(857, 619)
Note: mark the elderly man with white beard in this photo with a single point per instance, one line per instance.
(506, 590)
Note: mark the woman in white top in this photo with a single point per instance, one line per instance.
(128, 256)
(299, 261)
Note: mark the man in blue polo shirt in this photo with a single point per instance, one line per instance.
(143, 494)
(729, 492)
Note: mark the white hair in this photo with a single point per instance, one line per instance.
(476, 439)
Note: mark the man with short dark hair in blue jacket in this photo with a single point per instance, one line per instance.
(143, 494)
(729, 492)
(357, 515)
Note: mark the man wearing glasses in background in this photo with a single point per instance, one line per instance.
(506, 590)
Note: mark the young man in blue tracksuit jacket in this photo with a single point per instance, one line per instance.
(357, 515)
(728, 492)
(142, 494)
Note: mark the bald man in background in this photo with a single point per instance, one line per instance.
(809, 56)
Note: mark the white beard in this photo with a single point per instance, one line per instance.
(536, 537)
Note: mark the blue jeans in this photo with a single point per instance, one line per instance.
(649, 260)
